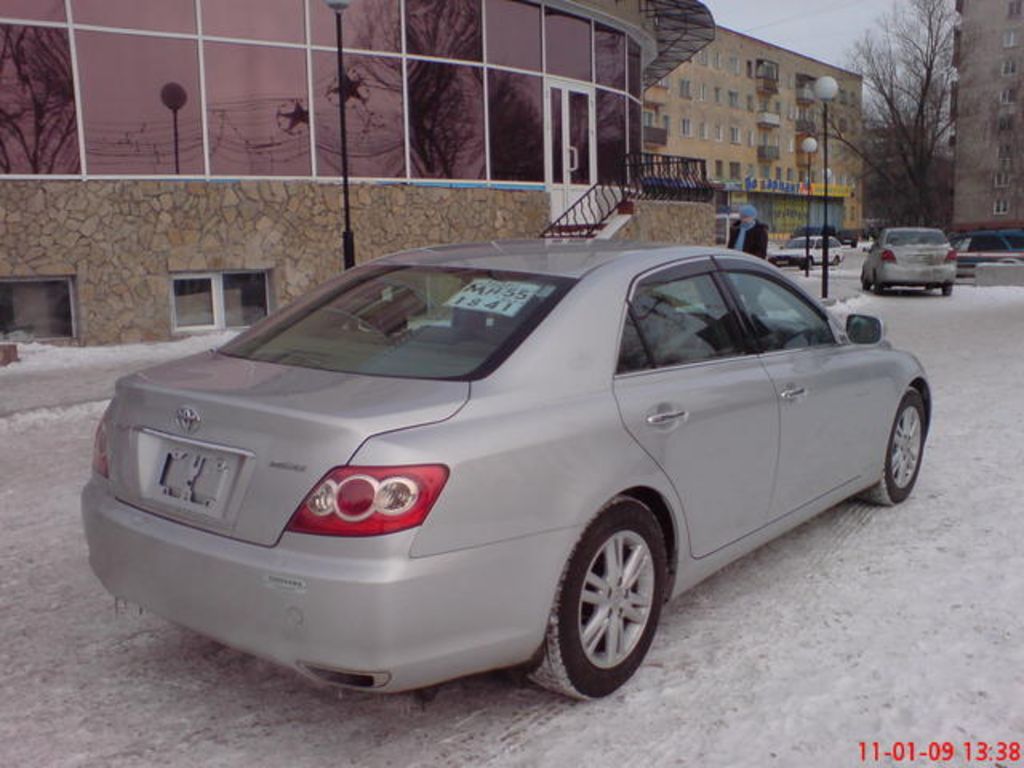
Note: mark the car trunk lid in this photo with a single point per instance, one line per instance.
(930, 255)
(233, 445)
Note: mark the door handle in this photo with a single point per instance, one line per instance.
(792, 394)
(665, 417)
(574, 159)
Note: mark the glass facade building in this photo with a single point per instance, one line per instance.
(480, 91)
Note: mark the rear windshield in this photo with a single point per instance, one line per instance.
(916, 237)
(1016, 242)
(409, 322)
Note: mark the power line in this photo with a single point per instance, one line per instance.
(840, 6)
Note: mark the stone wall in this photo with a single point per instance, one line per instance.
(668, 222)
(121, 239)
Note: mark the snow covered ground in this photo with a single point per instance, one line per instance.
(863, 625)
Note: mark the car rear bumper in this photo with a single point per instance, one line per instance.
(916, 274)
(312, 602)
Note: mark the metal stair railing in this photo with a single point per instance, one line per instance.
(644, 176)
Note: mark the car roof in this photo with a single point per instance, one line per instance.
(563, 258)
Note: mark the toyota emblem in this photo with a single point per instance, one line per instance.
(187, 418)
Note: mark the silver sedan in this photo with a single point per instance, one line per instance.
(910, 256)
(467, 458)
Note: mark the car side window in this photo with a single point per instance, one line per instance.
(677, 321)
(987, 243)
(780, 318)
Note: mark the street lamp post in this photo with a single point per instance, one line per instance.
(809, 146)
(825, 88)
(348, 240)
(174, 97)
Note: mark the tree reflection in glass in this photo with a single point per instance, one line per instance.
(446, 120)
(516, 115)
(373, 115)
(450, 30)
(38, 125)
(611, 136)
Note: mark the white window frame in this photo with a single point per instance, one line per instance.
(217, 289)
(1010, 38)
(687, 127)
(1009, 67)
(1001, 207)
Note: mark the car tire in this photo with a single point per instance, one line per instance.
(621, 615)
(903, 454)
(865, 284)
(947, 289)
(878, 288)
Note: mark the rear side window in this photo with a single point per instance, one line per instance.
(408, 322)
(987, 243)
(675, 322)
(780, 318)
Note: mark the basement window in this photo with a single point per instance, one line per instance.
(217, 300)
(37, 309)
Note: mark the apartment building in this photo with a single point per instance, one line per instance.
(745, 106)
(989, 57)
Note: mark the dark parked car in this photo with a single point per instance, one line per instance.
(986, 246)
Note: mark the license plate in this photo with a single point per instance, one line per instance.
(196, 479)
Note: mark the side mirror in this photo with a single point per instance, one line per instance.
(864, 329)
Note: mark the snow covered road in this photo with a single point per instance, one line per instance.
(864, 625)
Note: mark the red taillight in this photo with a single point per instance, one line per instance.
(951, 256)
(888, 256)
(370, 501)
(100, 450)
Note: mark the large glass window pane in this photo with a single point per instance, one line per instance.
(276, 20)
(193, 301)
(450, 29)
(35, 309)
(513, 34)
(371, 25)
(446, 120)
(634, 69)
(34, 10)
(635, 138)
(374, 121)
(258, 118)
(145, 118)
(38, 124)
(567, 42)
(610, 57)
(611, 136)
(158, 15)
(516, 108)
(245, 298)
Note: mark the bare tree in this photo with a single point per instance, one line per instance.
(907, 66)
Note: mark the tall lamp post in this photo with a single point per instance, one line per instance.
(348, 240)
(809, 147)
(825, 88)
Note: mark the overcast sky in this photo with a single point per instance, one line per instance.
(823, 29)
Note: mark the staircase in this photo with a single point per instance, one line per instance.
(645, 176)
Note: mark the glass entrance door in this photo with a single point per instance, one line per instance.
(570, 143)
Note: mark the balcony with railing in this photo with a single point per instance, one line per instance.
(805, 94)
(806, 127)
(769, 120)
(767, 153)
(655, 136)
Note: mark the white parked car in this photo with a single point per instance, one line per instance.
(910, 256)
(795, 252)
